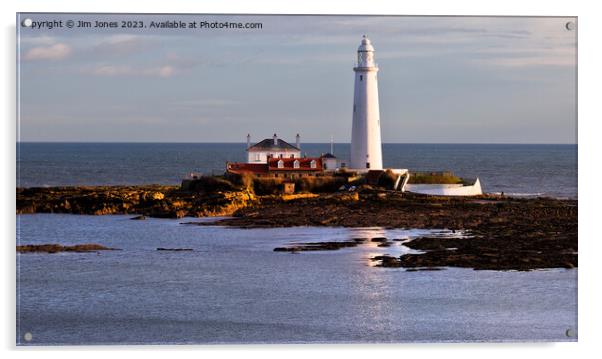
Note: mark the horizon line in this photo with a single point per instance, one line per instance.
(244, 143)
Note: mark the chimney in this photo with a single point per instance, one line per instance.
(248, 141)
(298, 143)
(275, 139)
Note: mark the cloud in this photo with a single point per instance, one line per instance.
(529, 61)
(561, 55)
(52, 52)
(123, 44)
(123, 70)
(38, 40)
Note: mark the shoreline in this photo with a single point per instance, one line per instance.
(506, 233)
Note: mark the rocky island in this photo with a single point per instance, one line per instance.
(502, 233)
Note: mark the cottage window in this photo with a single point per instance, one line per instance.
(281, 164)
(281, 155)
(312, 164)
(292, 156)
(296, 164)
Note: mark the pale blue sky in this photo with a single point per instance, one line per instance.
(441, 79)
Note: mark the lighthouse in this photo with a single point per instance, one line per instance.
(366, 152)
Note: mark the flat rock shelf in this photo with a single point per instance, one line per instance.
(505, 233)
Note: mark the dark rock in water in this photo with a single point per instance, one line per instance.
(386, 244)
(138, 218)
(378, 239)
(286, 249)
(317, 246)
(502, 251)
(174, 249)
(55, 248)
(387, 261)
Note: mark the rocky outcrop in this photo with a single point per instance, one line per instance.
(502, 233)
(317, 246)
(505, 233)
(56, 248)
(495, 251)
(147, 201)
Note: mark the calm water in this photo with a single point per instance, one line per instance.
(549, 170)
(234, 289)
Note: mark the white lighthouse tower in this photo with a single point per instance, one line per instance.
(366, 152)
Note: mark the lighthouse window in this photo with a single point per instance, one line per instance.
(361, 77)
(367, 164)
(353, 107)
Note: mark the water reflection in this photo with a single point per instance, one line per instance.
(395, 239)
(233, 288)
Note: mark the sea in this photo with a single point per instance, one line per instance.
(232, 288)
(516, 170)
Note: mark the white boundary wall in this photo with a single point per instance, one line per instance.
(445, 189)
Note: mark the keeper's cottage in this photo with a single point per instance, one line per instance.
(273, 147)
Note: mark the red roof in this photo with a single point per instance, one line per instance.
(272, 165)
(238, 167)
(289, 164)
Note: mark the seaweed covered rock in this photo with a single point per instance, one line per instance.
(56, 248)
(151, 201)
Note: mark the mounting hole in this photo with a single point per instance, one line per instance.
(570, 26)
(28, 337)
(570, 333)
(27, 22)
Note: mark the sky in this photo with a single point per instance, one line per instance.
(441, 79)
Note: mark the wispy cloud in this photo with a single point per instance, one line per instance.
(52, 52)
(525, 61)
(558, 55)
(512, 71)
(124, 70)
(38, 40)
(122, 44)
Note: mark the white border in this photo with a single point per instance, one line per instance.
(589, 170)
